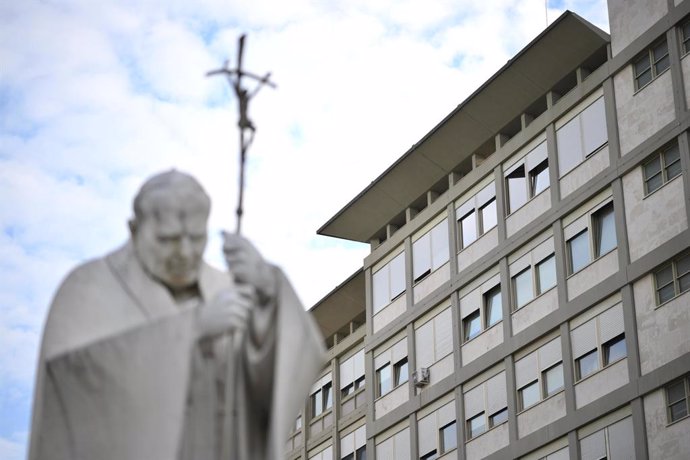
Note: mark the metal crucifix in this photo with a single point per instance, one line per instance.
(244, 124)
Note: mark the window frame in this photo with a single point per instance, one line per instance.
(648, 57)
(469, 319)
(685, 381)
(676, 277)
(545, 380)
(684, 41)
(569, 252)
(379, 387)
(494, 292)
(607, 346)
(397, 372)
(433, 235)
(521, 392)
(388, 267)
(442, 448)
(598, 221)
(503, 413)
(482, 429)
(660, 155)
(537, 273)
(476, 206)
(527, 271)
(578, 368)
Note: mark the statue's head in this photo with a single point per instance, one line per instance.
(169, 228)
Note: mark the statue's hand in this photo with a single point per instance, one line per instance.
(229, 311)
(249, 267)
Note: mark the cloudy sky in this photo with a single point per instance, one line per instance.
(97, 96)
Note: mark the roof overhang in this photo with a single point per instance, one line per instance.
(555, 53)
(341, 305)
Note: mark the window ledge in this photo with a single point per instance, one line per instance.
(592, 262)
(637, 91)
(320, 416)
(682, 419)
(598, 371)
(670, 300)
(647, 195)
(528, 201)
(535, 298)
(527, 409)
(353, 395)
(476, 336)
(392, 390)
(485, 432)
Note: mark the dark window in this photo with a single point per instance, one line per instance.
(546, 274)
(539, 178)
(498, 417)
(347, 390)
(677, 400)
(429, 456)
(493, 306)
(359, 383)
(468, 229)
(489, 217)
(651, 64)
(472, 326)
(361, 453)
(587, 364)
(604, 230)
(662, 167)
(529, 394)
(384, 384)
(327, 396)
(672, 279)
(401, 372)
(349, 457)
(553, 379)
(516, 187)
(614, 349)
(476, 426)
(578, 251)
(449, 437)
(685, 37)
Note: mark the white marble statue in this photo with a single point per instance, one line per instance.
(150, 353)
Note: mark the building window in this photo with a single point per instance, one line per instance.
(539, 374)
(611, 442)
(476, 216)
(361, 453)
(662, 167)
(431, 251)
(672, 279)
(486, 405)
(468, 229)
(389, 282)
(493, 306)
(529, 395)
(614, 350)
(685, 37)
(552, 379)
(578, 251)
(599, 342)
(298, 423)
(322, 399)
(430, 456)
(604, 230)
(489, 217)
(651, 64)
(476, 426)
(546, 274)
(471, 326)
(603, 240)
(539, 178)
(401, 372)
(384, 384)
(582, 136)
(449, 437)
(677, 400)
(522, 286)
(526, 180)
(498, 417)
(587, 364)
(352, 374)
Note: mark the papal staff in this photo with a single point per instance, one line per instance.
(247, 130)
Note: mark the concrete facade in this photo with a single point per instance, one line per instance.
(557, 329)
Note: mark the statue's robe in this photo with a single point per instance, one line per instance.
(122, 376)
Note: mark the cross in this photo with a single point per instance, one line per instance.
(244, 124)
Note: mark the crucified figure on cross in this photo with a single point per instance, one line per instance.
(244, 123)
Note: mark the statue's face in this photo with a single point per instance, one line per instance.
(170, 242)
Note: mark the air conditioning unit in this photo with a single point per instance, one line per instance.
(421, 376)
